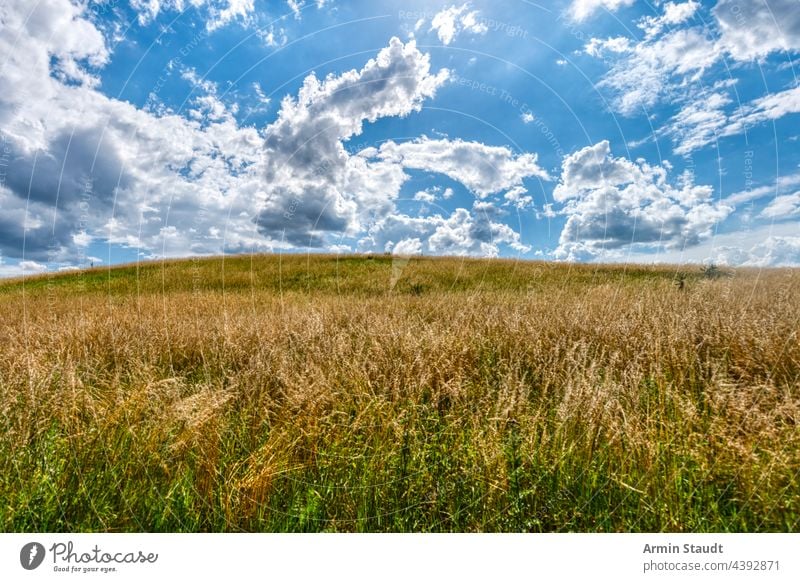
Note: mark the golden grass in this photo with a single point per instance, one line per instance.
(313, 393)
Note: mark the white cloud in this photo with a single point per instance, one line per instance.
(767, 108)
(752, 30)
(677, 13)
(613, 204)
(783, 207)
(82, 239)
(518, 197)
(256, 102)
(462, 233)
(653, 69)
(748, 247)
(148, 10)
(32, 267)
(198, 82)
(482, 168)
(669, 64)
(44, 37)
(775, 251)
(12, 270)
(581, 10)
(206, 106)
(597, 47)
(782, 185)
(313, 185)
(589, 168)
(340, 249)
(704, 119)
(119, 173)
(295, 6)
(273, 37)
(198, 183)
(240, 10)
(219, 12)
(674, 13)
(451, 21)
(407, 246)
(699, 123)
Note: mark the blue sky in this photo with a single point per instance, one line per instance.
(584, 130)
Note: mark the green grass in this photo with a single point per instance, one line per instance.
(310, 393)
(321, 274)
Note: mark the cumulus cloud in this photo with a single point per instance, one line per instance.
(85, 167)
(32, 267)
(407, 246)
(313, 186)
(82, 165)
(482, 168)
(612, 203)
(589, 168)
(450, 22)
(774, 251)
(56, 41)
(464, 232)
(753, 30)
(765, 245)
(425, 196)
(518, 197)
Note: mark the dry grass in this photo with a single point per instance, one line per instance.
(310, 393)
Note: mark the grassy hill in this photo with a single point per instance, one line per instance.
(310, 393)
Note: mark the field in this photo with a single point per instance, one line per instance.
(316, 393)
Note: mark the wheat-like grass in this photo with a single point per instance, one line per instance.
(316, 393)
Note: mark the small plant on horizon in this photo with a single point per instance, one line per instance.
(712, 271)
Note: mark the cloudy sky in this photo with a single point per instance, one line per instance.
(583, 130)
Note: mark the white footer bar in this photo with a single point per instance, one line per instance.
(354, 557)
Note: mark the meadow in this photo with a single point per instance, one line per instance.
(371, 393)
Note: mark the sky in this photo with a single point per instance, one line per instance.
(582, 130)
